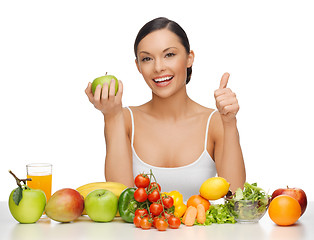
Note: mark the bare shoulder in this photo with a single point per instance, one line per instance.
(215, 118)
(216, 129)
(135, 110)
(140, 110)
(201, 110)
(127, 120)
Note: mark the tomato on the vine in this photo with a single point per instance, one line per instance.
(156, 209)
(174, 222)
(141, 181)
(161, 224)
(154, 196)
(154, 185)
(141, 212)
(137, 220)
(155, 219)
(140, 195)
(166, 214)
(167, 201)
(145, 223)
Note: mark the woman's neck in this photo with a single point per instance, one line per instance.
(173, 107)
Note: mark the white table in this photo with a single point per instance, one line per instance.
(84, 228)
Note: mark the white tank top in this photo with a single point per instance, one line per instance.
(186, 179)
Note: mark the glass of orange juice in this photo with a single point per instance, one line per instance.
(41, 175)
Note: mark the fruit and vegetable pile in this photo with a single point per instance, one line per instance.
(152, 207)
(147, 207)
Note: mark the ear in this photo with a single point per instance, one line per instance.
(138, 67)
(190, 59)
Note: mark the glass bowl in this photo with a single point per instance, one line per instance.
(247, 211)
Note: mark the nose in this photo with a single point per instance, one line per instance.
(159, 65)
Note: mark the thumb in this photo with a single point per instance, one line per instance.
(224, 80)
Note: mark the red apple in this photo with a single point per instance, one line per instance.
(296, 193)
(65, 205)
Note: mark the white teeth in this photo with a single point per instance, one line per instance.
(162, 79)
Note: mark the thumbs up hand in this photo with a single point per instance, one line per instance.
(226, 101)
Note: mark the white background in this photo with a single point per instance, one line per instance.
(50, 50)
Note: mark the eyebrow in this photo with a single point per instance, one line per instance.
(162, 51)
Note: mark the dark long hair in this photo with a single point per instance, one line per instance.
(162, 23)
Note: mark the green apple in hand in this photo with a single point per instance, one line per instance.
(26, 205)
(101, 205)
(102, 80)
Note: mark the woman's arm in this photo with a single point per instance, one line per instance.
(228, 153)
(118, 163)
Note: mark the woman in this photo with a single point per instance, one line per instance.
(183, 142)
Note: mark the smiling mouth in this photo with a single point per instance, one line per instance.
(163, 79)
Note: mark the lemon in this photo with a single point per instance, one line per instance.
(214, 188)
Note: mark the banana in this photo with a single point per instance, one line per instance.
(114, 187)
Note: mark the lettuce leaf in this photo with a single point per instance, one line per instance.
(250, 192)
(217, 213)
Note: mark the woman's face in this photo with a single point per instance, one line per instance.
(163, 62)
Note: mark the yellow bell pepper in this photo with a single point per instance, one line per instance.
(179, 210)
(179, 206)
(177, 197)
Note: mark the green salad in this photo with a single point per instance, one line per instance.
(248, 204)
(217, 213)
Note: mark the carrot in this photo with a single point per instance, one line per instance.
(201, 216)
(190, 216)
(183, 218)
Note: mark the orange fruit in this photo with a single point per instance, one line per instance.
(198, 199)
(284, 210)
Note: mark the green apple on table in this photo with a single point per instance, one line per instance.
(102, 80)
(26, 205)
(101, 205)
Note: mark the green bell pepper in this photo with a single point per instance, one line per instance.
(128, 205)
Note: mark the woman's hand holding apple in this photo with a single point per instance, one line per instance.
(226, 101)
(105, 100)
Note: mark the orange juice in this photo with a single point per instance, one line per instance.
(42, 182)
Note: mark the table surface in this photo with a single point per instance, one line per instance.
(85, 228)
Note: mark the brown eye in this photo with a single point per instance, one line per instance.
(169, 54)
(146, 59)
